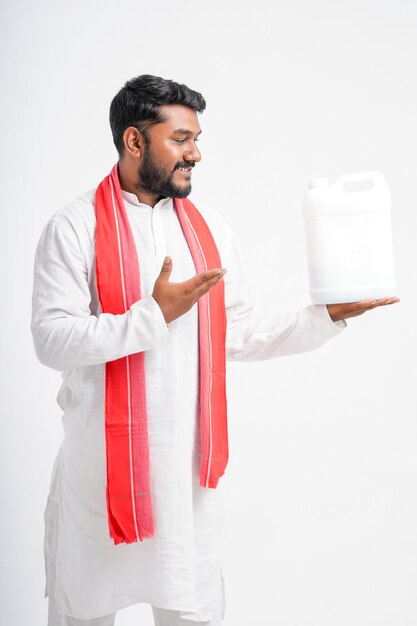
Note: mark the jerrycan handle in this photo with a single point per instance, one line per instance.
(360, 182)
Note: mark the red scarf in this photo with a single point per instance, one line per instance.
(128, 494)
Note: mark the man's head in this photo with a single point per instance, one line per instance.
(155, 126)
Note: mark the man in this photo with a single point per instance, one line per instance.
(134, 512)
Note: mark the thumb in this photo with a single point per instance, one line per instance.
(166, 269)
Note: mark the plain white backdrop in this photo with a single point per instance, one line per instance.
(321, 482)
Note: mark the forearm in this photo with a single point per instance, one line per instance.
(65, 342)
(65, 333)
(266, 337)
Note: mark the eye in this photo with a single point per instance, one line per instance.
(183, 140)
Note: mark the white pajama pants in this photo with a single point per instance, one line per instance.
(162, 617)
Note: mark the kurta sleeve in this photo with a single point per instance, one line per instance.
(252, 336)
(66, 334)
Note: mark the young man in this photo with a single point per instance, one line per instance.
(134, 512)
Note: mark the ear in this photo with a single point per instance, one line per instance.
(133, 141)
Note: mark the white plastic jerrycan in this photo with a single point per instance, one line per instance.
(349, 238)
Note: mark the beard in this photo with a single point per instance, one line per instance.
(154, 178)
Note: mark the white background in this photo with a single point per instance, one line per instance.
(321, 483)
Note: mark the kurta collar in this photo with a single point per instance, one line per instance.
(132, 198)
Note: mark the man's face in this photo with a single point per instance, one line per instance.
(172, 150)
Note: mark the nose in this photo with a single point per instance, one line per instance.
(192, 153)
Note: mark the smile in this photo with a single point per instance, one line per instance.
(183, 169)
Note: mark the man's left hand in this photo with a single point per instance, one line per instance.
(352, 309)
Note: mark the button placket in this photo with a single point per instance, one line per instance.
(159, 238)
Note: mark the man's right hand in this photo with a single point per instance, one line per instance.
(175, 299)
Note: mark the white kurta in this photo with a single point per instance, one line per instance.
(180, 567)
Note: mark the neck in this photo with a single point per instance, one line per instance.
(128, 183)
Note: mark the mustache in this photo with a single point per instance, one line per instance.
(184, 165)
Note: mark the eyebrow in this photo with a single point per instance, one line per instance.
(184, 131)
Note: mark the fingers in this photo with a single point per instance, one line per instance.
(383, 301)
(353, 309)
(201, 283)
(372, 304)
(166, 269)
(365, 305)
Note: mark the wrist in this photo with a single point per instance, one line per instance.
(333, 313)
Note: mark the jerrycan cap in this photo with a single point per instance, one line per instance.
(318, 182)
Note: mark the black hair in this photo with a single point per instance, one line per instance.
(137, 104)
